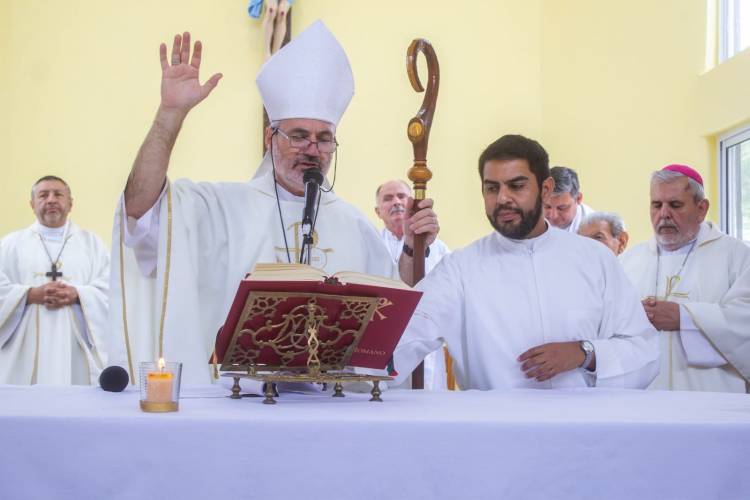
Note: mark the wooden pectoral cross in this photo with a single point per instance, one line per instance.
(672, 282)
(54, 273)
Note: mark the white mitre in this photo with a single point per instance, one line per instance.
(310, 77)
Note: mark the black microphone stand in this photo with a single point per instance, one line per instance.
(307, 241)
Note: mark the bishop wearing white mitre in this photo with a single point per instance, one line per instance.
(187, 245)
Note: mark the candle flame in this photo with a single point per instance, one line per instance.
(162, 364)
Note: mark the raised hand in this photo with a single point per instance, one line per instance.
(180, 87)
(180, 91)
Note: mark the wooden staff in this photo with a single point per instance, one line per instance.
(418, 132)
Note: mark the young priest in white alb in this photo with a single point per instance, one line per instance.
(530, 305)
(53, 295)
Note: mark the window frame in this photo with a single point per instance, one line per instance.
(729, 36)
(730, 187)
(723, 38)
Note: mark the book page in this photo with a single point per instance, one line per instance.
(303, 272)
(285, 272)
(369, 279)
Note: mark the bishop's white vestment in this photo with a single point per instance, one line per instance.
(52, 346)
(219, 232)
(496, 298)
(710, 279)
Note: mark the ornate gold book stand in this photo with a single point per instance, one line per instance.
(299, 337)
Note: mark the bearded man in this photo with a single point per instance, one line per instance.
(183, 247)
(695, 281)
(530, 305)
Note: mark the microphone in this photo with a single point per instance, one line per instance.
(313, 178)
(114, 379)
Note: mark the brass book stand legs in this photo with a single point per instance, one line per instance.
(269, 384)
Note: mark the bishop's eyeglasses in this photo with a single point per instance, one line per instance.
(302, 143)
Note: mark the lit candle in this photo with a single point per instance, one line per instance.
(159, 385)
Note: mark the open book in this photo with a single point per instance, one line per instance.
(362, 318)
(303, 272)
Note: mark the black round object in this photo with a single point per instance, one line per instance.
(313, 174)
(114, 379)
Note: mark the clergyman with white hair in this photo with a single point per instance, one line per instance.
(607, 228)
(695, 281)
(391, 199)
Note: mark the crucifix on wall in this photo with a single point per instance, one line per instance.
(277, 31)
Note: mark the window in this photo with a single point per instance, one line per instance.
(734, 27)
(734, 183)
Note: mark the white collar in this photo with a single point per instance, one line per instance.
(53, 233)
(528, 244)
(285, 195)
(388, 234)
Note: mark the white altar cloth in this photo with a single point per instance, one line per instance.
(81, 443)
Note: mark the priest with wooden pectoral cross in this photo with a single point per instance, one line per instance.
(183, 247)
(54, 280)
(498, 306)
(695, 281)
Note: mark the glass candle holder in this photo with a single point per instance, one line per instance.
(160, 386)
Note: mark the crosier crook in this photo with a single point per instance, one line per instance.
(418, 132)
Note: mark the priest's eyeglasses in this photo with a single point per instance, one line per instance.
(302, 143)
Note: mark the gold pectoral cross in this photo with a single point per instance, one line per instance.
(672, 282)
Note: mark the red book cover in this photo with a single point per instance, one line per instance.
(394, 308)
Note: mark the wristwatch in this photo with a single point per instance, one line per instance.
(588, 349)
(410, 251)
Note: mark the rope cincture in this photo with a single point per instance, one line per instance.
(165, 291)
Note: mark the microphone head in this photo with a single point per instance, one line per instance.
(114, 379)
(313, 175)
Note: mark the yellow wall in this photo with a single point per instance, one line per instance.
(619, 90)
(85, 84)
(611, 88)
(723, 95)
